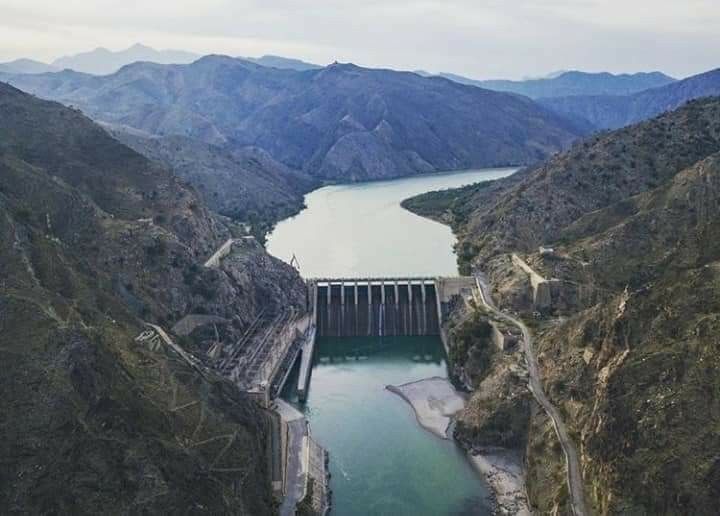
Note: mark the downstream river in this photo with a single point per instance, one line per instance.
(382, 462)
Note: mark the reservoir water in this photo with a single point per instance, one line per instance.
(361, 230)
(382, 462)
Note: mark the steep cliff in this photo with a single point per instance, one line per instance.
(94, 241)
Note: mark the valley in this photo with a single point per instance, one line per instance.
(262, 286)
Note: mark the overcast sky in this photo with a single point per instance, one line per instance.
(478, 38)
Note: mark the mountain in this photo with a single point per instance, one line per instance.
(539, 202)
(612, 112)
(627, 352)
(95, 241)
(283, 62)
(341, 122)
(568, 83)
(102, 61)
(574, 83)
(26, 66)
(246, 185)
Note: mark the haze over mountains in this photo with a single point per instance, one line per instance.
(339, 122)
(102, 61)
(245, 184)
(569, 83)
(21, 66)
(613, 111)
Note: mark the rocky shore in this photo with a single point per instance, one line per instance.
(435, 403)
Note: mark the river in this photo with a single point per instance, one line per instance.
(382, 462)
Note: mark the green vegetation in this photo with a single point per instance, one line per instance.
(472, 346)
(451, 206)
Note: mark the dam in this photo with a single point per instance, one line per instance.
(375, 307)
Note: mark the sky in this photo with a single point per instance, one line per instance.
(477, 38)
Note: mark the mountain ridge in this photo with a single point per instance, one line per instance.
(612, 112)
(569, 83)
(102, 61)
(356, 123)
(628, 221)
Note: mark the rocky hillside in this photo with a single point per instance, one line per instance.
(96, 240)
(339, 122)
(246, 185)
(632, 216)
(575, 83)
(531, 208)
(614, 111)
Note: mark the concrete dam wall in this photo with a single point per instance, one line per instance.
(376, 307)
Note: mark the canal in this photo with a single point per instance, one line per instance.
(382, 462)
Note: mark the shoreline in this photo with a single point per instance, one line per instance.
(435, 423)
(435, 401)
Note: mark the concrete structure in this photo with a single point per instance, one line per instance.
(535, 386)
(305, 462)
(542, 288)
(374, 306)
(308, 352)
(191, 322)
(222, 252)
(503, 338)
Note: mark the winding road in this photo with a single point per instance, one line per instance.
(574, 475)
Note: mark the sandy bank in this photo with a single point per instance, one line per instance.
(435, 401)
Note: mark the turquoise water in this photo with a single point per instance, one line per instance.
(382, 462)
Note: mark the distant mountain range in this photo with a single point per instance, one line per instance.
(342, 122)
(613, 111)
(102, 61)
(26, 66)
(570, 83)
(283, 63)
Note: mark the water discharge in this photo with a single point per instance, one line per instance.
(382, 462)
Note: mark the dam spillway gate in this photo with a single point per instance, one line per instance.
(375, 307)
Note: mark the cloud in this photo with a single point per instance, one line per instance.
(482, 38)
